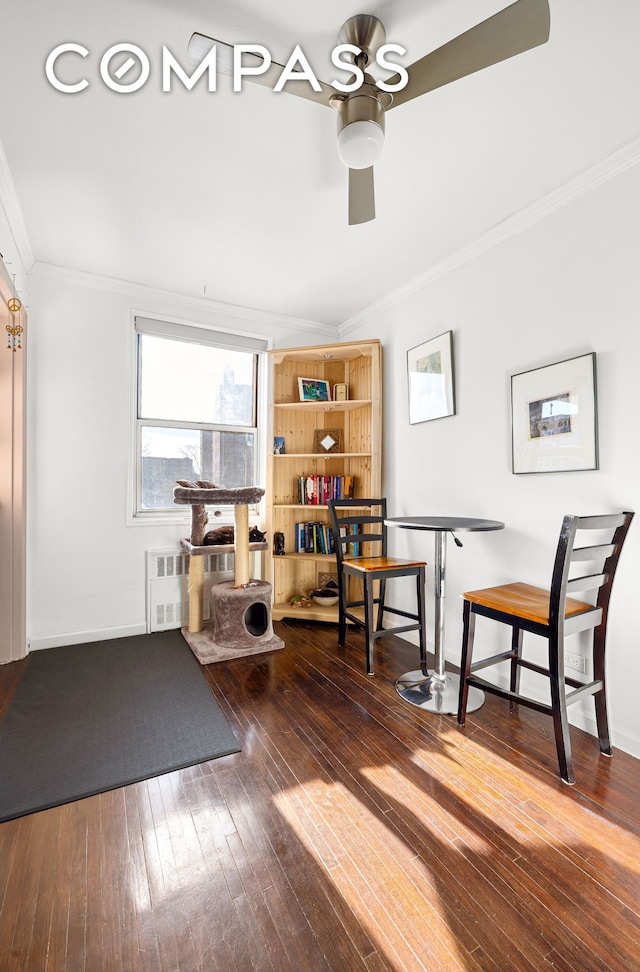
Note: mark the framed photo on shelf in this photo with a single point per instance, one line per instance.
(314, 390)
(278, 445)
(430, 378)
(327, 578)
(554, 417)
(327, 440)
(340, 392)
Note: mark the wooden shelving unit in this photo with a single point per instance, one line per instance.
(360, 420)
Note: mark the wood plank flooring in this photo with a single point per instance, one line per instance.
(353, 832)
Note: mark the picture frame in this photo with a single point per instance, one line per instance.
(430, 379)
(278, 445)
(327, 440)
(341, 392)
(554, 424)
(327, 578)
(314, 390)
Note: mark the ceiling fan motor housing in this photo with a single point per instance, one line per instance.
(365, 104)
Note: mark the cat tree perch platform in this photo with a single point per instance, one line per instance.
(242, 607)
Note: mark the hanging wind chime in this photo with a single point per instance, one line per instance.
(14, 330)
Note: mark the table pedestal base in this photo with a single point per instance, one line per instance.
(436, 694)
(439, 692)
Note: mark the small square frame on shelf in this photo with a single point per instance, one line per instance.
(314, 390)
(327, 577)
(327, 440)
(554, 417)
(340, 392)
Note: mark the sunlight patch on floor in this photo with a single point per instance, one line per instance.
(391, 890)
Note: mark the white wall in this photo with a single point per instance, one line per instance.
(564, 286)
(86, 562)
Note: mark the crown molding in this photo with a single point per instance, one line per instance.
(624, 157)
(11, 206)
(13, 212)
(144, 294)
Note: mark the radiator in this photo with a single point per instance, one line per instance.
(167, 593)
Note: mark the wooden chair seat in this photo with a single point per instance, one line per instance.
(381, 563)
(523, 601)
(552, 615)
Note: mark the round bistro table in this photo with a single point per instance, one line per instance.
(439, 691)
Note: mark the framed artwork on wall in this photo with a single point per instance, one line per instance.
(430, 378)
(554, 417)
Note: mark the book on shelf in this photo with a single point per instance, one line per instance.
(352, 549)
(314, 537)
(318, 490)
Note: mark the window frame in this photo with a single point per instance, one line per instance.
(255, 344)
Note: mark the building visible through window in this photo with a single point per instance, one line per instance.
(197, 406)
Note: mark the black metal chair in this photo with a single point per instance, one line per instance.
(356, 527)
(553, 615)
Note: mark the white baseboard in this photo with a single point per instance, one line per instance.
(82, 637)
(623, 739)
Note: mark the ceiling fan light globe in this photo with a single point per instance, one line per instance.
(360, 144)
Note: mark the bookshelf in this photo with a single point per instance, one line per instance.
(358, 419)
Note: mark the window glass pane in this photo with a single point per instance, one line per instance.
(187, 382)
(168, 454)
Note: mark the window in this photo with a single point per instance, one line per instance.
(196, 410)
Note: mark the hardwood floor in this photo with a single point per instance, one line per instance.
(353, 832)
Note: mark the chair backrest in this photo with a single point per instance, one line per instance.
(355, 526)
(596, 562)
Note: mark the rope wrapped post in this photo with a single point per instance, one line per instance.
(196, 569)
(196, 592)
(241, 543)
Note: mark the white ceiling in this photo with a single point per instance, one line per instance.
(242, 196)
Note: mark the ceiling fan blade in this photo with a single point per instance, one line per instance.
(200, 45)
(362, 203)
(512, 31)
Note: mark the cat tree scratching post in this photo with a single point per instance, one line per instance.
(241, 543)
(242, 608)
(196, 568)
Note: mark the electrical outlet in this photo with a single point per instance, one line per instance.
(577, 662)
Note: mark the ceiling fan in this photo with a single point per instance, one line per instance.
(361, 112)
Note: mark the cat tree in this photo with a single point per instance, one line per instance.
(242, 607)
